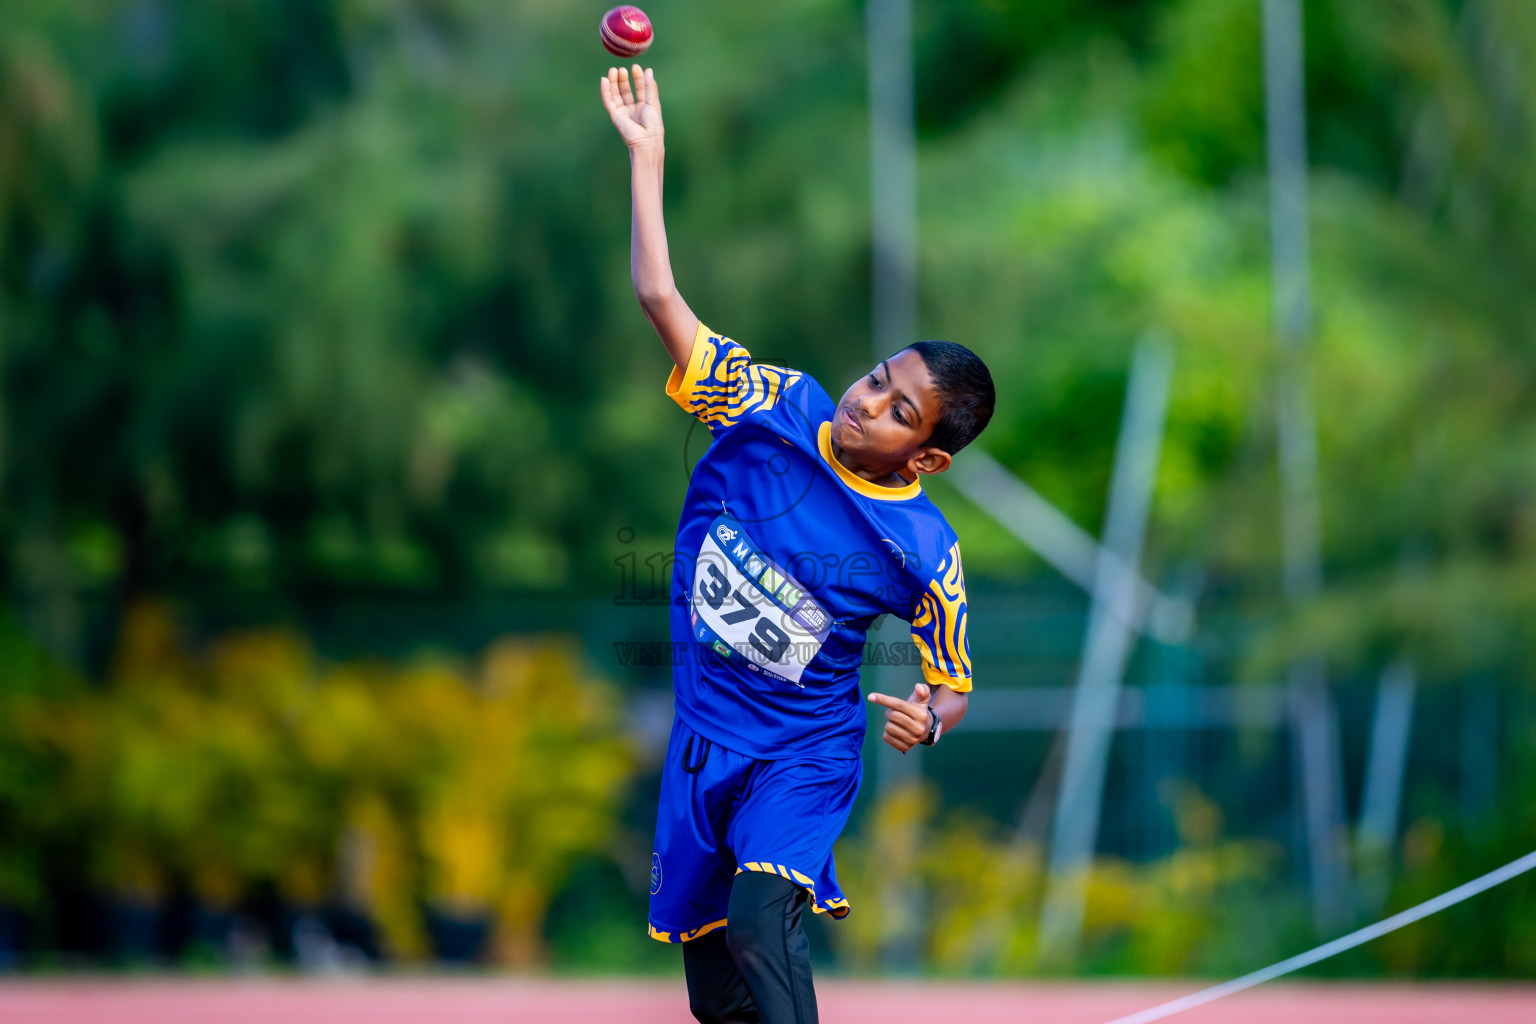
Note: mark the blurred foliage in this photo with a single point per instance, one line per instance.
(1217, 906)
(32, 767)
(1169, 916)
(309, 299)
(466, 789)
(314, 299)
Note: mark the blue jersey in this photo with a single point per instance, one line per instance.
(784, 557)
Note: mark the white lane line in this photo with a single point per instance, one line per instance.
(1430, 906)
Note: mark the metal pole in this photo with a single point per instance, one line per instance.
(1070, 549)
(1479, 749)
(1107, 647)
(893, 237)
(893, 176)
(1386, 764)
(1316, 730)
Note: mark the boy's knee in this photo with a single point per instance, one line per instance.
(763, 909)
(747, 940)
(716, 992)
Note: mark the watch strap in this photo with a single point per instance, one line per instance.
(935, 726)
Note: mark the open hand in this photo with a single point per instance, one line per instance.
(635, 111)
(906, 721)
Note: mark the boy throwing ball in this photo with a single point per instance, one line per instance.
(803, 523)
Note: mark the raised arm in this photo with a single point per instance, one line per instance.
(636, 112)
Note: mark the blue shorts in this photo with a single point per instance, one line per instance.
(723, 812)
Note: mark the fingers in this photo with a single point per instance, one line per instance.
(896, 708)
(920, 694)
(651, 95)
(906, 726)
(611, 94)
(898, 739)
(906, 723)
(895, 704)
(623, 87)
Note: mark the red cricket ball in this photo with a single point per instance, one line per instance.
(625, 31)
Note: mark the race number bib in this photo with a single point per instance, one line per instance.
(747, 606)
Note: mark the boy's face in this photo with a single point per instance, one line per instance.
(885, 418)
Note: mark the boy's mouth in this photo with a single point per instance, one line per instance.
(853, 421)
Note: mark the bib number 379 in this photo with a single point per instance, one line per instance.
(745, 604)
(766, 638)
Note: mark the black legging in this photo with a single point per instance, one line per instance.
(759, 970)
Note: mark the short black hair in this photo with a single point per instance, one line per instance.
(964, 386)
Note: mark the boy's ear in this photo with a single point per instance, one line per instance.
(929, 460)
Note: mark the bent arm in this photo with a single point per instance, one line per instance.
(950, 705)
(650, 266)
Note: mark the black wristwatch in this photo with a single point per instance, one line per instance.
(935, 726)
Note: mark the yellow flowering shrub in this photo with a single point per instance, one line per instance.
(983, 888)
(467, 786)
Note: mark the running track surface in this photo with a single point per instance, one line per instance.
(507, 1000)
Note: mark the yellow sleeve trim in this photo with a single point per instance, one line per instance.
(682, 384)
(933, 677)
(721, 385)
(939, 627)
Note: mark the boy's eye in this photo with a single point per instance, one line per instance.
(873, 380)
(899, 417)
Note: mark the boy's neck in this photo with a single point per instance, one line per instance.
(880, 478)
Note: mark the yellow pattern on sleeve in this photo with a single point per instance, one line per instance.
(721, 385)
(939, 627)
